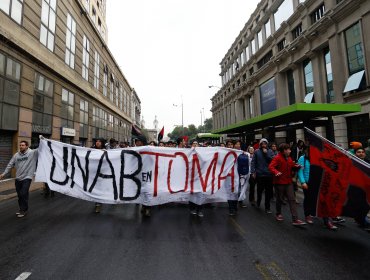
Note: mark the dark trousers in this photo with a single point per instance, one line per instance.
(287, 191)
(309, 202)
(252, 187)
(264, 183)
(193, 206)
(22, 187)
(233, 205)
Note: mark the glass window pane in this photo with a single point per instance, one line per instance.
(48, 105)
(51, 41)
(70, 112)
(64, 95)
(37, 118)
(49, 87)
(70, 98)
(1, 90)
(52, 21)
(16, 11)
(38, 102)
(72, 62)
(4, 6)
(82, 106)
(45, 13)
(43, 35)
(68, 39)
(10, 117)
(69, 22)
(2, 64)
(47, 119)
(11, 92)
(53, 4)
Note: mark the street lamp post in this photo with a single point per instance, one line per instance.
(182, 115)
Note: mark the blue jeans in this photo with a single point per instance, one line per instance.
(22, 187)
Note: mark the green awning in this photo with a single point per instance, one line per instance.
(208, 136)
(293, 113)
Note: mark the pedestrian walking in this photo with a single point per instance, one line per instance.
(195, 209)
(243, 171)
(25, 163)
(260, 171)
(310, 194)
(100, 145)
(252, 179)
(281, 167)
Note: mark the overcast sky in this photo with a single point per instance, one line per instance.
(172, 48)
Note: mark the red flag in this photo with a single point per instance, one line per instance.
(161, 134)
(343, 181)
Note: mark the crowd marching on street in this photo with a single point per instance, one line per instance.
(266, 170)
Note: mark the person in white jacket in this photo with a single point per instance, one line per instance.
(25, 162)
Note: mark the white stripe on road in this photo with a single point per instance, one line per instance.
(23, 276)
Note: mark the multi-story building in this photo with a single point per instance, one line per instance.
(298, 63)
(97, 13)
(58, 77)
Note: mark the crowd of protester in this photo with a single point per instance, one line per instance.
(266, 170)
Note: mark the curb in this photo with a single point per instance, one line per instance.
(7, 188)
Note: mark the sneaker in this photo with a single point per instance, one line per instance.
(338, 220)
(193, 212)
(309, 220)
(279, 217)
(147, 212)
(232, 213)
(242, 204)
(296, 201)
(200, 214)
(268, 211)
(298, 223)
(22, 214)
(19, 212)
(97, 208)
(330, 226)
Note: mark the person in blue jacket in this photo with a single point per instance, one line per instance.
(309, 202)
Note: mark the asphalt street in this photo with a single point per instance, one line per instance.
(62, 238)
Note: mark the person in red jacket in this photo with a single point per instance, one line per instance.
(281, 167)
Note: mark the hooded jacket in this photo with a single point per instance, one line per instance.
(282, 164)
(261, 161)
(25, 163)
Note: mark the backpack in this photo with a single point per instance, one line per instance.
(243, 164)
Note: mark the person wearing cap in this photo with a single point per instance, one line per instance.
(260, 171)
(112, 144)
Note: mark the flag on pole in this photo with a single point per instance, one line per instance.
(161, 134)
(340, 180)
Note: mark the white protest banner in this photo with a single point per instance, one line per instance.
(147, 175)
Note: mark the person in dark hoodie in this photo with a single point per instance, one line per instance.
(259, 170)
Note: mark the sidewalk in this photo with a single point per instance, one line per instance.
(7, 188)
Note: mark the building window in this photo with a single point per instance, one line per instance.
(309, 83)
(12, 8)
(253, 46)
(291, 88)
(70, 42)
(85, 58)
(264, 60)
(99, 122)
(318, 14)
(10, 73)
(355, 54)
(87, 6)
(84, 118)
(251, 106)
(284, 11)
(67, 108)
(117, 93)
(260, 39)
(121, 97)
(47, 29)
(105, 81)
(97, 70)
(268, 29)
(93, 14)
(251, 71)
(246, 54)
(329, 76)
(281, 45)
(111, 93)
(297, 31)
(42, 105)
(124, 101)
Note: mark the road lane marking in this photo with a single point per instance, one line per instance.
(238, 227)
(271, 271)
(23, 276)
